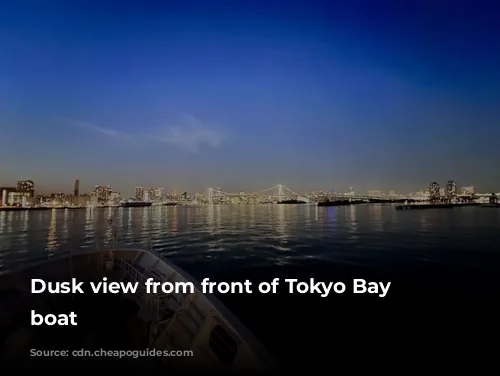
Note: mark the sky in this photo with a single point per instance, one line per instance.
(244, 95)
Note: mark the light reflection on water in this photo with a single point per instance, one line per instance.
(263, 234)
(52, 243)
(129, 236)
(214, 244)
(353, 225)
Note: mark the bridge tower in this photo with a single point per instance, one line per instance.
(210, 195)
(280, 192)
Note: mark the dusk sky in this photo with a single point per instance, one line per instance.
(247, 94)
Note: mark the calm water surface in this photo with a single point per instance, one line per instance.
(373, 236)
(428, 255)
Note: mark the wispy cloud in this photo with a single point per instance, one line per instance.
(189, 133)
(95, 128)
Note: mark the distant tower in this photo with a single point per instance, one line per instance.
(139, 193)
(434, 193)
(210, 195)
(77, 187)
(281, 192)
(451, 190)
(4, 197)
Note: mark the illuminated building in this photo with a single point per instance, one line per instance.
(434, 192)
(159, 193)
(139, 193)
(150, 194)
(451, 190)
(58, 196)
(26, 188)
(468, 191)
(15, 198)
(114, 198)
(351, 192)
(7, 195)
(114, 195)
(102, 192)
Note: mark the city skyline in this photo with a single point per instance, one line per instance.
(25, 196)
(129, 190)
(449, 186)
(316, 96)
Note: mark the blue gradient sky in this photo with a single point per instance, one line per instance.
(244, 95)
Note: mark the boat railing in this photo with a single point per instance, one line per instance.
(155, 301)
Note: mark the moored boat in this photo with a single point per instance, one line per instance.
(170, 204)
(135, 204)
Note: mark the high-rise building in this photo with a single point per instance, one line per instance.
(102, 192)
(76, 190)
(434, 191)
(26, 188)
(451, 190)
(114, 196)
(159, 193)
(7, 193)
(139, 193)
(150, 194)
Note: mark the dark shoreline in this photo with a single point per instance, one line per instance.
(435, 206)
(368, 201)
(412, 206)
(408, 204)
(16, 208)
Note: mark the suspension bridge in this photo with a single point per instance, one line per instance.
(277, 193)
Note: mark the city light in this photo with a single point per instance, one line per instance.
(23, 196)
